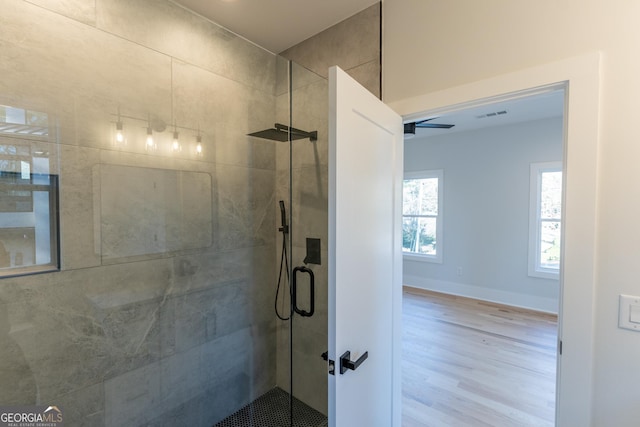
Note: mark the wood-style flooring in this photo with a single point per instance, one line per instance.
(473, 363)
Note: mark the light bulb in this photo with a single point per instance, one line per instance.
(199, 145)
(175, 146)
(119, 134)
(150, 143)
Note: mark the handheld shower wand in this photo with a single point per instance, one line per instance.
(284, 262)
(283, 219)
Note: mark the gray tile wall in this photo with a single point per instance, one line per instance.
(180, 337)
(353, 45)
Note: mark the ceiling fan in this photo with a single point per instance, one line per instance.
(410, 128)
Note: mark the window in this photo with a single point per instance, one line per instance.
(422, 216)
(545, 220)
(28, 194)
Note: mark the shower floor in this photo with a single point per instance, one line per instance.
(272, 410)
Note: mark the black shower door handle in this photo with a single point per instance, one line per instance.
(312, 291)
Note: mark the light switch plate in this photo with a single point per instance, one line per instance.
(629, 313)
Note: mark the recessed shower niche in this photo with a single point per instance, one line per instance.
(162, 211)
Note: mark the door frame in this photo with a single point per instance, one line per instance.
(580, 78)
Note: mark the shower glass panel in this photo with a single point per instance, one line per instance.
(308, 186)
(300, 291)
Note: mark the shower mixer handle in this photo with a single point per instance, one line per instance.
(312, 291)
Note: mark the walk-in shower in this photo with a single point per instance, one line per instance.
(170, 237)
(299, 288)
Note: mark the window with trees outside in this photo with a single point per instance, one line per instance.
(422, 216)
(545, 220)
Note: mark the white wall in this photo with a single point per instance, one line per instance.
(433, 45)
(486, 211)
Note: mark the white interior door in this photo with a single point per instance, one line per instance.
(365, 259)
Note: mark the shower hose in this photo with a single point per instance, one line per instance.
(284, 262)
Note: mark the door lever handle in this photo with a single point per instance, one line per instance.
(346, 362)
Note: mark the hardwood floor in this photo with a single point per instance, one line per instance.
(474, 363)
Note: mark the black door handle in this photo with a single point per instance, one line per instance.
(312, 291)
(346, 362)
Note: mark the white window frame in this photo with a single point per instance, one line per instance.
(437, 258)
(535, 193)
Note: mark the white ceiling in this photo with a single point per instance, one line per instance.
(536, 107)
(276, 25)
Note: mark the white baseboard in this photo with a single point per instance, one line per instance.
(546, 305)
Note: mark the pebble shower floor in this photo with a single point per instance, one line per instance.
(272, 410)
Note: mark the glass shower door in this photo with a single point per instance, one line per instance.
(308, 187)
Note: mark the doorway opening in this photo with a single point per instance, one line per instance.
(495, 216)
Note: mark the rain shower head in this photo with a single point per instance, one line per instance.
(281, 132)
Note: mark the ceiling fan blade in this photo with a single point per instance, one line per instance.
(433, 126)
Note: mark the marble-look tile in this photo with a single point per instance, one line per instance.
(368, 75)
(310, 383)
(207, 408)
(310, 105)
(168, 28)
(79, 10)
(205, 269)
(283, 366)
(77, 238)
(195, 318)
(61, 66)
(352, 42)
(225, 111)
(264, 358)
(263, 284)
(84, 407)
(207, 314)
(136, 316)
(225, 356)
(14, 367)
(224, 398)
(310, 205)
(134, 398)
(155, 161)
(60, 341)
(243, 198)
(107, 322)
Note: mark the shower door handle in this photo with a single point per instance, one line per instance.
(312, 291)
